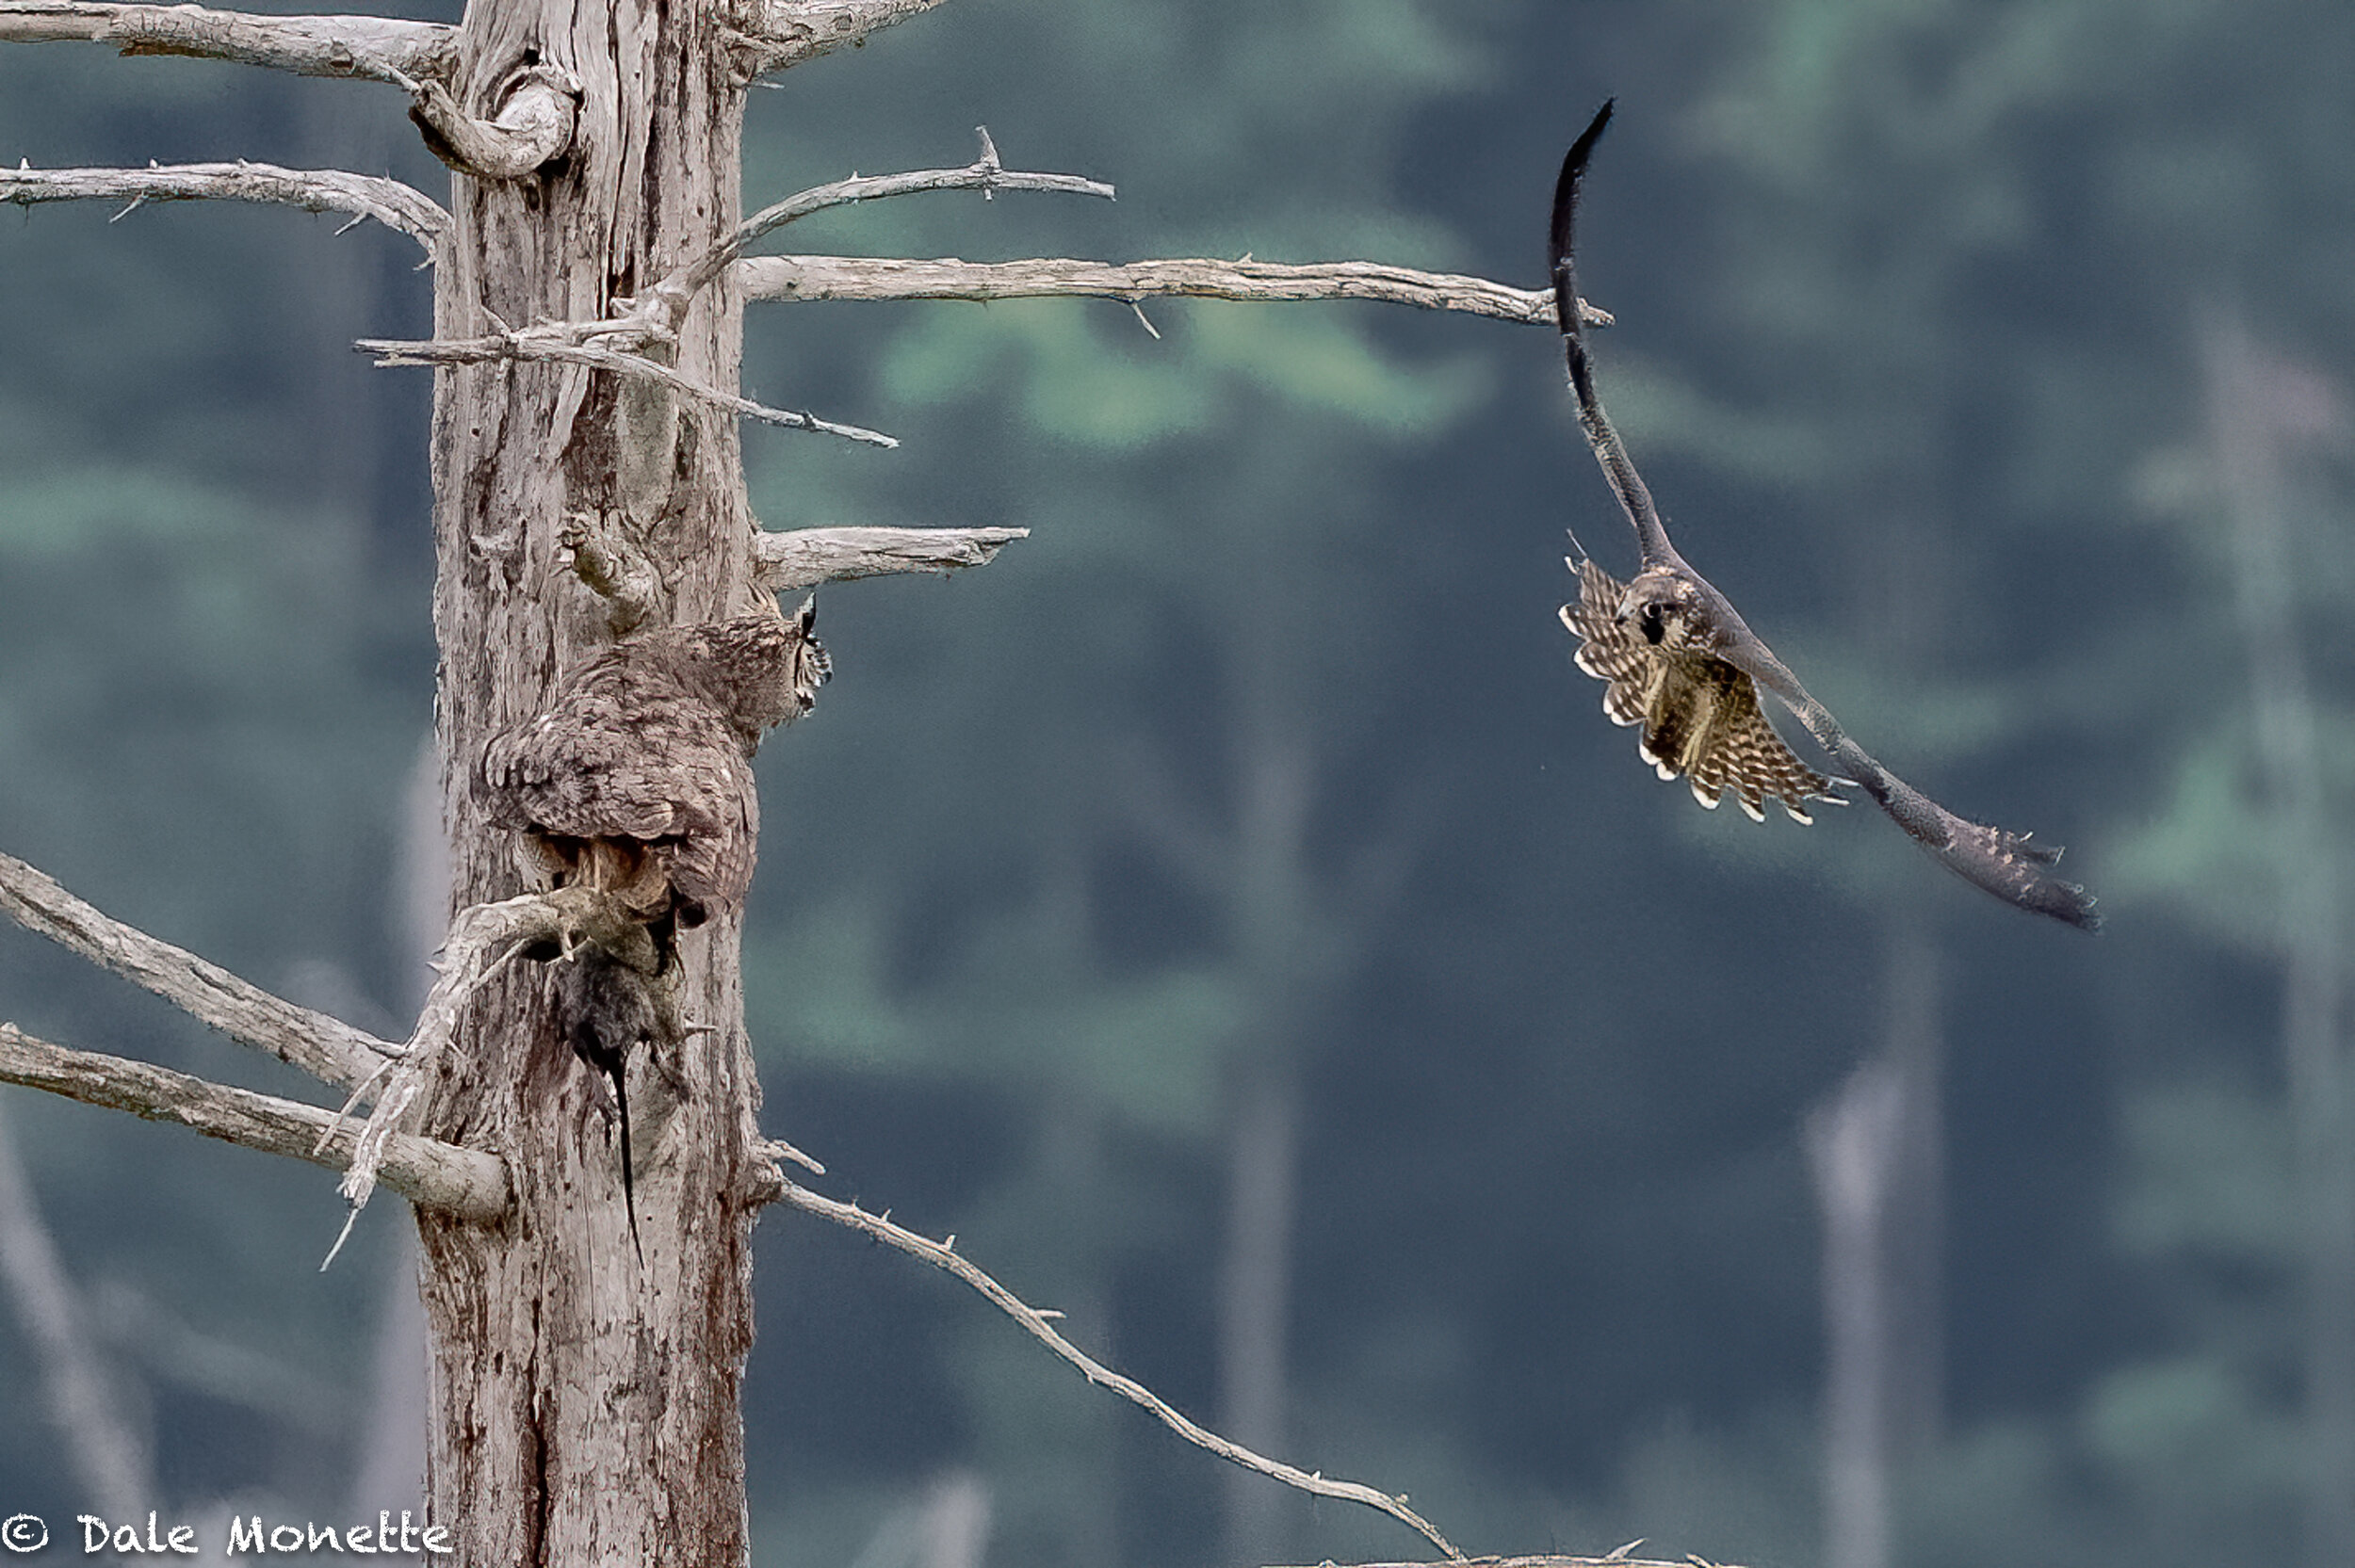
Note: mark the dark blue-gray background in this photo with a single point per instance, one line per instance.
(1260, 775)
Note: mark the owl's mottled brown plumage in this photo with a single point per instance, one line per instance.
(1684, 664)
(1698, 714)
(638, 775)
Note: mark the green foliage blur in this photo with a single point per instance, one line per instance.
(1261, 763)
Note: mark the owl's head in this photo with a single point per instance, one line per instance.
(760, 669)
(1665, 605)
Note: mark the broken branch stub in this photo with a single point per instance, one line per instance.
(805, 558)
(532, 128)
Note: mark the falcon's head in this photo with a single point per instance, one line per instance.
(1665, 604)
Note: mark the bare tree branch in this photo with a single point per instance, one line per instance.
(662, 307)
(389, 201)
(897, 278)
(807, 556)
(942, 1254)
(984, 174)
(792, 31)
(467, 1182)
(328, 1048)
(533, 126)
(377, 48)
(549, 344)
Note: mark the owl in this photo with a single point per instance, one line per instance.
(636, 778)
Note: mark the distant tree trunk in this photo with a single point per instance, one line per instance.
(584, 1411)
(1255, 1296)
(1875, 1148)
(2259, 408)
(1276, 930)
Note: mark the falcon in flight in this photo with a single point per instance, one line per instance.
(1681, 665)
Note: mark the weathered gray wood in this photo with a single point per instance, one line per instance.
(1201, 278)
(587, 1410)
(389, 201)
(375, 47)
(464, 1181)
(805, 558)
(328, 1048)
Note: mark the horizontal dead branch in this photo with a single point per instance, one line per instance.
(943, 1255)
(806, 556)
(549, 344)
(533, 126)
(328, 1048)
(792, 32)
(389, 201)
(377, 48)
(662, 308)
(467, 1182)
(895, 278)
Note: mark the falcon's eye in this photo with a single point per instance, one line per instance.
(1654, 628)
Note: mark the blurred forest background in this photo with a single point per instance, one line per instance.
(1230, 913)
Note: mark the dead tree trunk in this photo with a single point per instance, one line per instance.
(584, 1412)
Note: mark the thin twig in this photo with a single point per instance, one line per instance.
(806, 557)
(378, 48)
(947, 278)
(389, 201)
(536, 346)
(468, 1181)
(940, 1255)
(655, 315)
(328, 1048)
